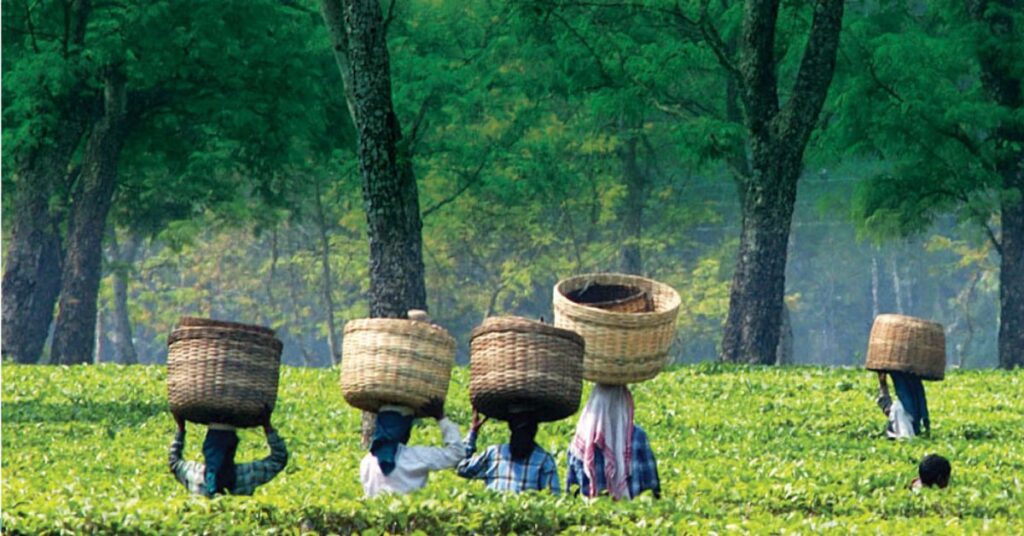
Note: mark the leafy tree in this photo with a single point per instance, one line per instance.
(936, 91)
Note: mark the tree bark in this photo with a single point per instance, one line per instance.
(31, 282)
(327, 280)
(632, 213)
(124, 347)
(776, 137)
(73, 336)
(358, 33)
(1011, 280)
(997, 55)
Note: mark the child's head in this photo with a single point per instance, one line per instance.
(934, 471)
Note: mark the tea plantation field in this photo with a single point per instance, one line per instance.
(744, 450)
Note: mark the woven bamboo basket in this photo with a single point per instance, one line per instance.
(621, 347)
(223, 375)
(395, 361)
(907, 344)
(525, 368)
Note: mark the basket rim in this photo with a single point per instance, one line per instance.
(217, 333)
(518, 324)
(202, 322)
(906, 319)
(400, 325)
(597, 315)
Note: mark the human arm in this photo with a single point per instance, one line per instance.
(188, 473)
(549, 476)
(248, 476)
(476, 466)
(884, 401)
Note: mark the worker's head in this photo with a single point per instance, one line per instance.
(524, 431)
(393, 428)
(219, 455)
(934, 470)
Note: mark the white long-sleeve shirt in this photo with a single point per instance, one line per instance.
(413, 464)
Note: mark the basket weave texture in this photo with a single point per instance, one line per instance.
(907, 344)
(222, 373)
(621, 298)
(391, 361)
(197, 322)
(621, 347)
(525, 368)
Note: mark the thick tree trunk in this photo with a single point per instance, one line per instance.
(124, 347)
(632, 212)
(31, 282)
(73, 336)
(389, 188)
(358, 33)
(776, 136)
(998, 56)
(328, 283)
(32, 264)
(758, 284)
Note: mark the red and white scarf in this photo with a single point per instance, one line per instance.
(606, 424)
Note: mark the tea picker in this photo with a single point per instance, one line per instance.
(224, 375)
(523, 372)
(908, 350)
(628, 324)
(400, 369)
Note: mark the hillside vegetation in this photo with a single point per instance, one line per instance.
(765, 450)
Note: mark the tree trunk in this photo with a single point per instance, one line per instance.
(124, 347)
(632, 212)
(31, 282)
(100, 349)
(328, 285)
(897, 285)
(776, 136)
(73, 336)
(758, 285)
(1011, 281)
(32, 263)
(874, 286)
(358, 33)
(998, 55)
(784, 353)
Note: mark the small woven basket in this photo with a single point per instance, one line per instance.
(519, 367)
(907, 344)
(621, 347)
(391, 361)
(223, 375)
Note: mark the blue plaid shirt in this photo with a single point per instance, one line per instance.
(496, 467)
(643, 469)
(247, 475)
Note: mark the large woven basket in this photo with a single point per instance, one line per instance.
(525, 368)
(391, 361)
(621, 347)
(907, 344)
(224, 375)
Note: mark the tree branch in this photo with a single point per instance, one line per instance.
(817, 67)
(470, 181)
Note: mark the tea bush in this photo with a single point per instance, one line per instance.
(744, 450)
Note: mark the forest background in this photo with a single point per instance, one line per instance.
(177, 158)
